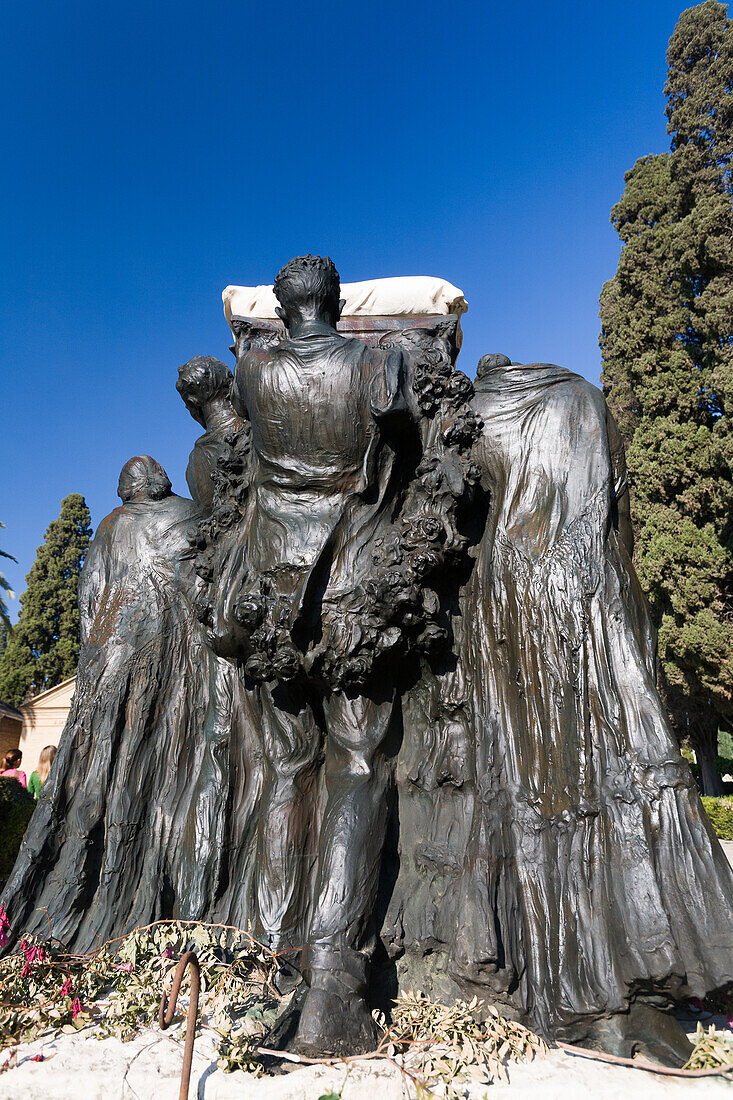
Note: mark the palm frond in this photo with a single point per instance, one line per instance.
(4, 617)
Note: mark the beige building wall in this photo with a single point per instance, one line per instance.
(44, 718)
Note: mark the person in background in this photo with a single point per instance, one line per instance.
(40, 775)
(11, 767)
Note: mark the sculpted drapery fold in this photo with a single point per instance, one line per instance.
(560, 888)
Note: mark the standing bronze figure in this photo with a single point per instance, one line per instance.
(334, 444)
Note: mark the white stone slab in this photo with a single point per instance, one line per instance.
(80, 1067)
(403, 296)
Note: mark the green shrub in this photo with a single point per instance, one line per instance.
(16, 807)
(720, 812)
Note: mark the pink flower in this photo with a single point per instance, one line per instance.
(4, 926)
(75, 1007)
(65, 988)
(128, 967)
(166, 954)
(32, 955)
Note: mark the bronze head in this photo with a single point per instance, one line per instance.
(201, 380)
(142, 479)
(491, 362)
(308, 289)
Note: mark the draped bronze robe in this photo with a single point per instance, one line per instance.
(130, 823)
(553, 846)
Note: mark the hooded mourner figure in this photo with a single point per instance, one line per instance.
(589, 891)
(118, 838)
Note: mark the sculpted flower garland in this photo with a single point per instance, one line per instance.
(397, 610)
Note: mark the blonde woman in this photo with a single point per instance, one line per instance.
(40, 775)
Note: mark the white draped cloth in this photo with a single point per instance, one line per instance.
(403, 296)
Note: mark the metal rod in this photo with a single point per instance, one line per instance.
(167, 1008)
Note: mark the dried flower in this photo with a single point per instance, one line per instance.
(4, 926)
(711, 1049)
(32, 956)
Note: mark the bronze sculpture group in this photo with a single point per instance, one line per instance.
(385, 691)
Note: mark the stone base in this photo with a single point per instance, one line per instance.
(149, 1067)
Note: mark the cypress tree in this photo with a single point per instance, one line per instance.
(667, 344)
(43, 647)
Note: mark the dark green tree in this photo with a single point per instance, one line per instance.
(43, 647)
(667, 343)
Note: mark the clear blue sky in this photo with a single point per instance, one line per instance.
(154, 152)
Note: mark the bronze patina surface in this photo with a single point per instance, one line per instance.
(385, 692)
